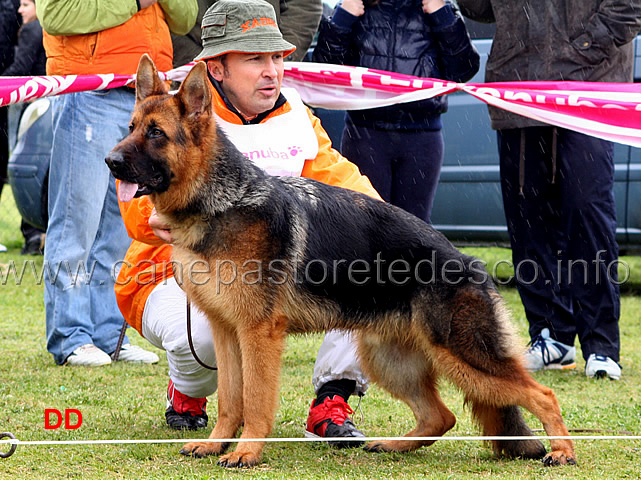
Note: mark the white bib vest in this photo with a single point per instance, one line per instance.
(280, 145)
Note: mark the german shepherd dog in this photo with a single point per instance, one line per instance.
(281, 255)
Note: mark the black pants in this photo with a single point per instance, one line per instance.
(561, 219)
(403, 166)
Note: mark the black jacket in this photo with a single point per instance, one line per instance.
(579, 40)
(30, 57)
(398, 36)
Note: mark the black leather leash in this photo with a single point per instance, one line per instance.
(191, 342)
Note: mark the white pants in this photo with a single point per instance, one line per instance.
(164, 324)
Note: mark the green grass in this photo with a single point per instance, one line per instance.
(124, 401)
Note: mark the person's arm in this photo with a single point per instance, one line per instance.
(29, 42)
(332, 168)
(298, 23)
(77, 17)
(180, 15)
(335, 34)
(615, 23)
(458, 58)
(477, 10)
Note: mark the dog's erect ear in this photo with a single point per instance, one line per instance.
(195, 91)
(147, 81)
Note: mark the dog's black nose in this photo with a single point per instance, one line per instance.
(114, 160)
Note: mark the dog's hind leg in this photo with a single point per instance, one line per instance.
(230, 394)
(408, 376)
(261, 346)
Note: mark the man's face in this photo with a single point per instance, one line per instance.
(251, 81)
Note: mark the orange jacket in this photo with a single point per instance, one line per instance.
(147, 262)
(112, 50)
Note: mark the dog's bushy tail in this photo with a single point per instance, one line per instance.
(507, 422)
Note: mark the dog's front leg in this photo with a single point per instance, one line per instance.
(262, 346)
(230, 394)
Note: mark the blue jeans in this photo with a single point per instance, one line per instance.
(86, 237)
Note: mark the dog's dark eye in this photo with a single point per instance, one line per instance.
(155, 133)
(131, 127)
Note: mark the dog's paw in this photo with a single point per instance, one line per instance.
(203, 449)
(559, 457)
(239, 460)
(394, 446)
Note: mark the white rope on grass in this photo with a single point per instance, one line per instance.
(320, 439)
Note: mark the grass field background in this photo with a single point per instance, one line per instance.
(124, 401)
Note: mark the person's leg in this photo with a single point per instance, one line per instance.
(164, 325)
(33, 239)
(531, 187)
(74, 193)
(415, 172)
(535, 225)
(337, 375)
(369, 150)
(587, 172)
(110, 241)
(86, 236)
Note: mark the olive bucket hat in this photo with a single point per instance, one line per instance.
(246, 26)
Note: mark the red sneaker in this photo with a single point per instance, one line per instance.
(331, 419)
(183, 412)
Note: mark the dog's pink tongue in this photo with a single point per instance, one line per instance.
(126, 191)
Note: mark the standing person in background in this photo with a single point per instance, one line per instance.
(297, 21)
(30, 59)
(85, 230)
(9, 25)
(400, 147)
(558, 184)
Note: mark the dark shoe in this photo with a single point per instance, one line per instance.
(34, 246)
(183, 412)
(331, 419)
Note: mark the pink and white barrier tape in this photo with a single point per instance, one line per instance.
(611, 111)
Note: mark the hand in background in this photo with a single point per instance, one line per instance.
(430, 6)
(355, 7)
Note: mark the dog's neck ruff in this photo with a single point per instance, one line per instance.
(279, 145)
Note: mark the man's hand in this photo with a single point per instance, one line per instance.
(355, 7)
(160, 228)
(430, 6)
(146, 3)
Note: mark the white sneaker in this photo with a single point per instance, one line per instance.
(133, 353)
(88, 356)
(548, 354)
(2, 248)
(599, 366)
